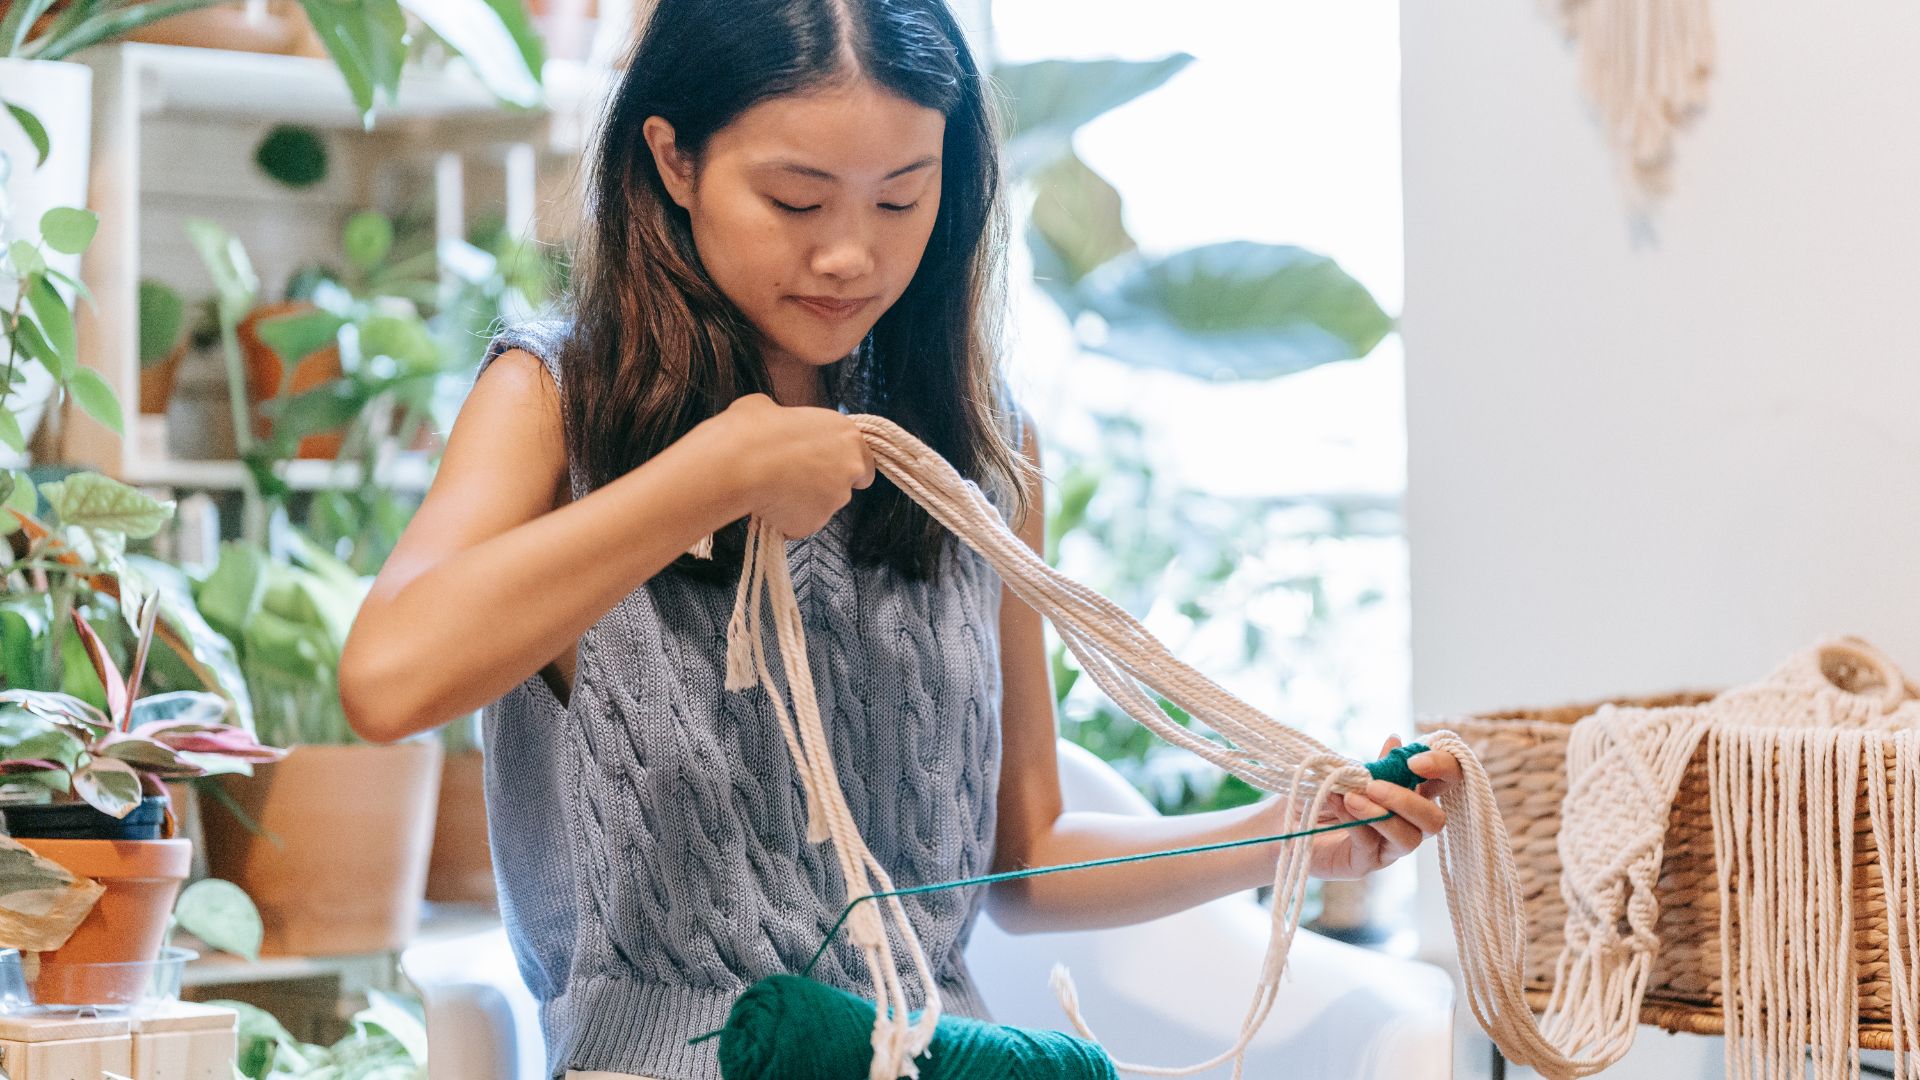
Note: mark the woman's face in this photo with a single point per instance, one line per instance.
(826, 196)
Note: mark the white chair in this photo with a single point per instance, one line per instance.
(1169, 992)
(1173, 991)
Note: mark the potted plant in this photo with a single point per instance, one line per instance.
(388, 1038)
(281, 839)
(368, 43)
(104, 815)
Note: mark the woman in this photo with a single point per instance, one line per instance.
(795, 208)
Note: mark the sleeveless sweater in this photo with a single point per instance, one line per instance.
(649, 833)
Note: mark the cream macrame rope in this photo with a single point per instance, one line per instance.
(1645, 64)
(1624, 768)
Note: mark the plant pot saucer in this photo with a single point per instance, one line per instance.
(33, 985)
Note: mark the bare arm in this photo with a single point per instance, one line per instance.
(489, 583)
(1034, 831)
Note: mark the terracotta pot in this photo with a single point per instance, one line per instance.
(265, 367)
(342, 865)
(156, 381)
(126, 925)
(268, 28)
(461, 871)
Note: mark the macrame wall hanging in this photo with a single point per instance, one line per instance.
(1814, 784)
(1646, 65)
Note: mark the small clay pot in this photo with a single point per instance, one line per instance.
(271, 28)
(125, 927)
(156, 381)
(265, 368)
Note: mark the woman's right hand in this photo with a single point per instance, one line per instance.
(800, 464)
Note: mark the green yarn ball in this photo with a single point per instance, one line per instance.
(1394, 769)
(790, 1028)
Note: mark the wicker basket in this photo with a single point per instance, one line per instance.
(1524, 753)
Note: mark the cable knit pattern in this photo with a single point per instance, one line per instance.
(649, 834)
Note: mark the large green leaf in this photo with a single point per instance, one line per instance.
(162, 314)
(299, 335)
(29, 340)
(13, 437)
(17, 23)
(1076, 214)
(55, 320)
(367, 40)
(26, 258)
(331, 405)
(403, 338)
(1051, 98)
(92, 501)
(367, 238)
(231, 593)
(24, 619)
(27, 737)
(36, 131)
(387, 1013)
(69, 229)
(97, 399)
(1238, 310)
(506, 60)
(221, 914)
(92, 24)
(213, 655)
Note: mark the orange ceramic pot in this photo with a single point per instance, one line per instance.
(271, 29)
(340, 864)
(265, 368)
(125, 927)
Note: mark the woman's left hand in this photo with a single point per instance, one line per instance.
(1356, 852)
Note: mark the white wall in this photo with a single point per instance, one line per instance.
(1659, 455)
(1639, 461)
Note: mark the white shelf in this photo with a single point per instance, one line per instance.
(292, 89)
(183, 80)
(412, 473)
(442, 118)
(438, 922)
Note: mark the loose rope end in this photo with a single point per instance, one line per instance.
(1061, 981)
(817, 831)
(702, 548)
(740, 673)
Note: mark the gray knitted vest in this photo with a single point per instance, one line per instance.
(649, 834)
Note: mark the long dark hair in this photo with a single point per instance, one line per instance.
(656, 346)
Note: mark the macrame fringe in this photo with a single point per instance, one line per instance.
(1646, 65)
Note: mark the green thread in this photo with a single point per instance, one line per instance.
(1393, 768)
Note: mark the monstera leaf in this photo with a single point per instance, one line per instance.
(1237, 310)
(1052, 98)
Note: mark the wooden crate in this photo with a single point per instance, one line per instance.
(180, 1041)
